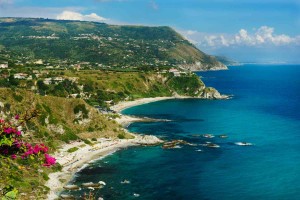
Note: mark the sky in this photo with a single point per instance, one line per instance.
(265, 31)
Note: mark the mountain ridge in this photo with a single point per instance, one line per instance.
(100, 44)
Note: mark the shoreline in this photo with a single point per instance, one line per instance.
(75, 161)
(127, 104)
(126, 120)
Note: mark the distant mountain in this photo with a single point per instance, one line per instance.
(227, 61)
(63, 41)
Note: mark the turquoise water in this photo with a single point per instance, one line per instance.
(265, 111)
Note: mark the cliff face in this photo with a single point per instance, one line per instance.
(199, 66)
(212, 93)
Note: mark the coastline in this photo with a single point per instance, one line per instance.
(127, 104)
(125, 120)
(73, 162)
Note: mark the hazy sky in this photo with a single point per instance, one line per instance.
(244, 30)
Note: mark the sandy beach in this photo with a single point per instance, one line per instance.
(73, 162)
(127, 104)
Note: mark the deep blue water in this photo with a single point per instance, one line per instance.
(265, 111)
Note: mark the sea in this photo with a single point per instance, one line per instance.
(264, 111)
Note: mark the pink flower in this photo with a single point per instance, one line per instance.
(8, 130)
(36, 149)
(28, 153)
(18, 144)
(17, 117)
(13, 156)
(2, 121)
(18, 133)
(49, 160)
(43, 148)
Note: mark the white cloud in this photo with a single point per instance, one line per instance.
(94, 17)
(263, 36)
(71, 15)
(191, 32)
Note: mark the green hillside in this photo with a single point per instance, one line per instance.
(59, 121)
(61, 42)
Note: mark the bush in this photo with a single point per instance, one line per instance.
(18, 98)
(71, 150)
(121, 136)
(82, 108)
(68, 136)
(91, 129)
(86, 141)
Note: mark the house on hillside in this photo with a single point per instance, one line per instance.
(3, 65)
(38, 62)
(20, 76)
(73, 79)
(77, 67)
(47, 81)
(176, 72)
(53, 80)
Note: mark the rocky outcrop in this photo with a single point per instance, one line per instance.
(212, 93)
(147, 140)
(204, 66)
(56, 128)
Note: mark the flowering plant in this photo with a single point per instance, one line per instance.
(12, 143)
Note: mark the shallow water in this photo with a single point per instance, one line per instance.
(264, 111)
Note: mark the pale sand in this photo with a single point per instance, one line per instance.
(72, 162)
(127, 104)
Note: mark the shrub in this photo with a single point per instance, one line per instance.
(82, 108)
(73, 149)
(121, 136)
(18, 98)
(91, 129)
(68, 136)
(86, 141)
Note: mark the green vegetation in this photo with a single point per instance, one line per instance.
(64, 70)
(54, 125)
(103, 88)
(62, 42)
(71, 150)
(186, 85)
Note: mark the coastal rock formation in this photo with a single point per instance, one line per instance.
(211, 65)
(56, 128)
(147, 140)
(212, 93)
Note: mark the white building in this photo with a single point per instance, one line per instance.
(20, 76)
(174, 71)
(39, 62)
(53, 80)
(3, 65)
